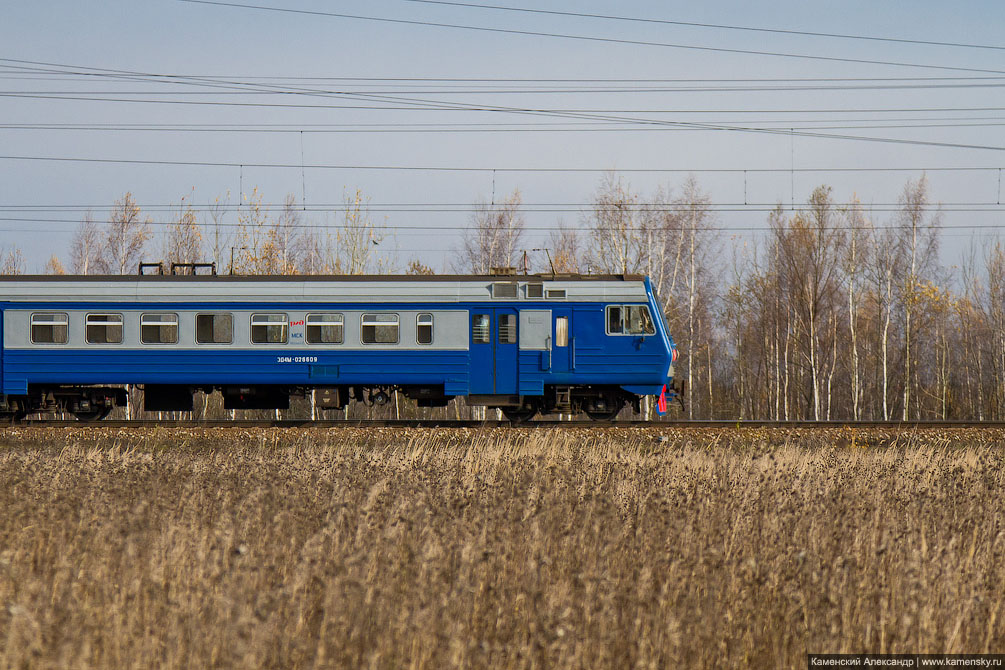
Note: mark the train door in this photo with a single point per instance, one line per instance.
(493, 351)
(563, 344)
(506, 351)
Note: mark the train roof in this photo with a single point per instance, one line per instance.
(324, 278)
(317, 288)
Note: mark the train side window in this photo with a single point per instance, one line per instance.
(103, 328)
(49, 328)
(480, 332)
(507, 329)
(424, 329)
(159, 328)
(638, 321)
(269, 328)
(324, 328)
(214, 328)
(615, 320)
(379, 329)
(561, 331)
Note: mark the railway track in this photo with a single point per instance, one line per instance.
(537, 424)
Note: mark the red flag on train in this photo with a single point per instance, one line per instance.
(661, 403)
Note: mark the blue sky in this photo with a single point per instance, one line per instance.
(238, 44)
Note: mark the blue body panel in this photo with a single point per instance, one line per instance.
(591, 357)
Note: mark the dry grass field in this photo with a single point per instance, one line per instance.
(433, 548)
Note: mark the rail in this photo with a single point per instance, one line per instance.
(535, 424)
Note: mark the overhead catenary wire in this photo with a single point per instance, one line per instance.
(487, 169)
(499, 128)
(424, 229)
(420, 104)
(588, 38)
(717, 26)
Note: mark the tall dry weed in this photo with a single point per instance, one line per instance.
(618, 548)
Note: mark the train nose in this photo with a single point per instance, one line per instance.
(670, 369)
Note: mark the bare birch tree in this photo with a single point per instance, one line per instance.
(919, 233)
(855, 259)
(618, 231)
(87, 249)
(694, 216)
(353, 245)
(126, 236)
(493, 238)
(183, 242)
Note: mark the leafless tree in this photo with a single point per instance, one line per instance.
(694, 218)
(493, 238)
(619, 237)
(565, 249)
(353, 245)
(11, 261)
(87, 249)
(183, 243)
(918, 232)
(220, 236)
(126, 236)
(855, 260)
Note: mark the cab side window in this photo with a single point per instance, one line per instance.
(629, 320)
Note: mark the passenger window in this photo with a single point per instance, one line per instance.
(379, 329)
(507, 329)
(214, 328)
(480, 333)
(638, 320)
(49, 328)
(424, 329)
(103, 328)
(561, 331)
(269, 328)
(615, 325)
(159, 328)
(324, 328)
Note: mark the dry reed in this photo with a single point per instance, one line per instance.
(618, 548)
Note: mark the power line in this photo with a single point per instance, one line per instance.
(11, 70)
(718, 26)
(423, 104)
(439, 230)
(447, 168)
(510, 90)
(459, 206)
(608, 40)
(495, 128)
(555, 111)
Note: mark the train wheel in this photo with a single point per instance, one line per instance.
(18, 412)
(517, 415)
(609, 415)
(92, 415)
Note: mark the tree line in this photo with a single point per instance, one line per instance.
(832, 314)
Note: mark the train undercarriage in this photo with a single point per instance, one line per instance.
(92, 403)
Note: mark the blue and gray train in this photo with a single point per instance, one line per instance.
(526, 344)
